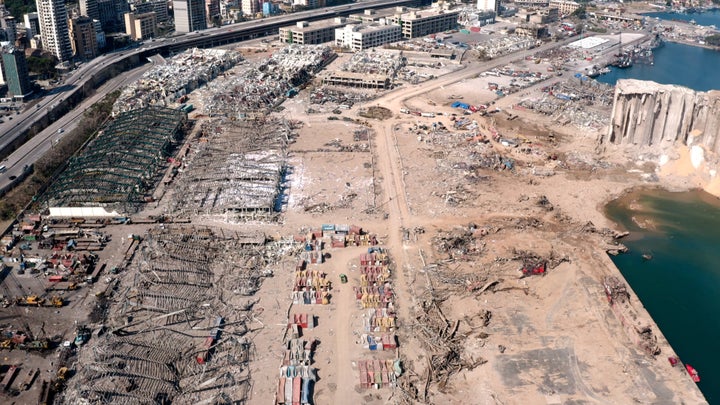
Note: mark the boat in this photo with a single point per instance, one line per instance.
(592, 73)
(693, 373)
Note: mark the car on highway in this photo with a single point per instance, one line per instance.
(61, 130)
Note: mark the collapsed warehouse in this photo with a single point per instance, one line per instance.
(267, 85)
(238, 171)
(168, 82)
(180, 315)
(123, 164)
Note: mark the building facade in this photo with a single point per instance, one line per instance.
(15, 72)
(89, 8)
(420, 23)
(250, 7)
(54, 28)
(189, 15)
(84, 40)
(9, 28)
(99, 34)
(212, 9)
(359, 37)
(306, 33)
(565, 7)
(491, 5)
(141, 26)
(32, 24)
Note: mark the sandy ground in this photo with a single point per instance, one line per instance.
(544, 339)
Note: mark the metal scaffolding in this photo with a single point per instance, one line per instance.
(185, 285)
(238, 173)
(121, 165)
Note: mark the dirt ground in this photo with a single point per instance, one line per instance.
(457, 216)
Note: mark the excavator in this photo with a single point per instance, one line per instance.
(35, 301)
(30, 301)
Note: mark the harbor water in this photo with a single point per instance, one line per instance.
(673, 265)
(680, 232)
(674, 63)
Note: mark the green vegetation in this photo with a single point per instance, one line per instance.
(44, 67)
(713, 40)
(580, 13)
(94, 118)
(19, 7)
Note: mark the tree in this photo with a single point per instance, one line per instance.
(713, 40)
(580, 13)
(42, 66)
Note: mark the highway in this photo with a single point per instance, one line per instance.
(36, 147)
(10, 130)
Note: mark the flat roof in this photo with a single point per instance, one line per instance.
(587, 43)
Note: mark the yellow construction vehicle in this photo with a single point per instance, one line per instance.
(6, 344)
(30, 300)
(55, 301)
(61, 373)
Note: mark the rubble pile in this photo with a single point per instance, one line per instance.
(266, 85)
(166, 84)
(374, 62)
(237, 171)
(572, 102)
(179, 323)
(499, 46)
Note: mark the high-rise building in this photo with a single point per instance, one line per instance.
(99, 34)
(189, 15)
(9, 27)
(32, 24)
(212, 8)
(160, 7)
(54, 28)
(15, 72)
(250, 7)
(110, 14)
(89, 8)
(84, 39)
(489, 5)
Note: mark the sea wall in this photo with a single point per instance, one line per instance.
(647, 113)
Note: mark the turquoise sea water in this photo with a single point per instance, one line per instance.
(684, 65)
(680, 285)
(706, 18)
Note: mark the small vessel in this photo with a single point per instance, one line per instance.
(693, 373)
(647, 256)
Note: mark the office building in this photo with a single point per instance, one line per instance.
(99, 34)
(212, 10)
(565, 7)
(359, 37)
(489, 5)
(306, 33)
(417, 24)
(54, 28)
(250, 7)
(189, 15)
(141, 26)
(89, 8)
(9, 28)
(84, 39)
(32, 24)
(15, 72)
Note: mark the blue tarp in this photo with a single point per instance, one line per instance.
(458, 104)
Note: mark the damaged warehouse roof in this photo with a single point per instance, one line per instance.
(120, 165)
